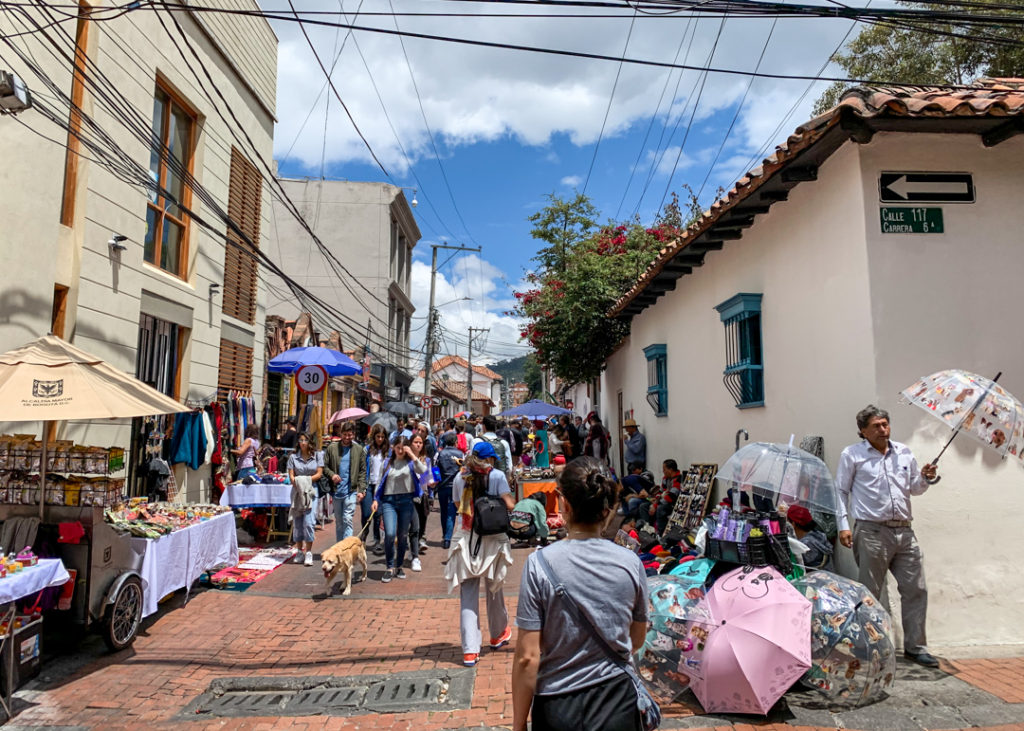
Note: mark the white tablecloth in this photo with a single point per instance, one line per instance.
(176, 560)
(48, 572)
(238, 495)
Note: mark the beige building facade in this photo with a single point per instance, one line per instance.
(123, 268)
(787, 309)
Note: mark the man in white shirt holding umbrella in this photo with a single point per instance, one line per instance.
(877, 477)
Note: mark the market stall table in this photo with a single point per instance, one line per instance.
(31, 580)
(257, 495)
(176, 560)
(548, 487)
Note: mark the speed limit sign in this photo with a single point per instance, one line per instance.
(311, 379)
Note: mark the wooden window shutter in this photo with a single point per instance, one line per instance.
(235, 369)
(240, 266)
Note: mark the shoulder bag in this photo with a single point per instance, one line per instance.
(650, 712)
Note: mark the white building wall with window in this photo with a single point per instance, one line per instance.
(109, 292)
(850, 316)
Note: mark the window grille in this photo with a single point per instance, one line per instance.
(744, 365)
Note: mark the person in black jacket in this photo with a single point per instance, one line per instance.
(449, 462)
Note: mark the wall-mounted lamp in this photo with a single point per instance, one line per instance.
(214, 289)
(115, 242)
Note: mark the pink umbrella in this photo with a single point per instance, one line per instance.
(345, 414)
(751, 640)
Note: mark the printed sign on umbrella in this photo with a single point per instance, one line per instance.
(973, 405)
(853, 656)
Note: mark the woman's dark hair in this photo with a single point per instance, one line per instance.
(372, 440)
(309, 441)
(399, 441)
(252, 431)
(590, 489)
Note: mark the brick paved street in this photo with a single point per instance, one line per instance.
(284, 627)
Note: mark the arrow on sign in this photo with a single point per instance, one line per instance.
(926, 187)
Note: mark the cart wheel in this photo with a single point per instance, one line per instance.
(121, 622)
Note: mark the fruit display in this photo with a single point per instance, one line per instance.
(143, 519)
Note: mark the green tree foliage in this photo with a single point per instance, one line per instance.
(532, 376)
(583, 270)
(913, 56)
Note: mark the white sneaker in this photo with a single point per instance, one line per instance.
(416, 565)
(309, 558)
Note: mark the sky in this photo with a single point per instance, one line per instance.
(483, 136)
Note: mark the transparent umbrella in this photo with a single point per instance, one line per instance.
(783, 474)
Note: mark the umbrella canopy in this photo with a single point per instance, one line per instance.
(388, 421)
(535, 409)
(672, 603)
(353, 412)
(852, 653)
(973, 405)
(749, 641)
(782, 473)
(335, 363)
(51, 380)
(461, 415)
(401, 407)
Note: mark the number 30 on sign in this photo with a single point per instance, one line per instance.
(311, 378)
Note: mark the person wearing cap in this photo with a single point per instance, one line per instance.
(878, 476)
(492, 559)
(808, 532)
(635, 445)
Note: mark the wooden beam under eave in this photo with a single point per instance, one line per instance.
(799, 174)
(774, 196)
(662, 285)
(855, 126)
(677, 270)
(733, 220)
(1003, 132)
(727, 234)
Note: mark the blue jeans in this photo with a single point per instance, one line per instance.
(447, 507)
(365, 508)
(397, 513)
(344, 511)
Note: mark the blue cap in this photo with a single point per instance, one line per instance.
(484, 450)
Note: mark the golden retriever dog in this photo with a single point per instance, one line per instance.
(342, 557)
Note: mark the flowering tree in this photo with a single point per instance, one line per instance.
(582, 271)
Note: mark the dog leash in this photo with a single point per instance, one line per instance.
(367, 525)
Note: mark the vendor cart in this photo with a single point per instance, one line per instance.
(108, 592)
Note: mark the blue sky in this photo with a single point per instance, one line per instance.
(511, 127)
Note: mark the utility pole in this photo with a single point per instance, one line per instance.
(432, 317)
(469, 374)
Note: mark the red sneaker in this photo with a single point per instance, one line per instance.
(498, 642)
(469, 659)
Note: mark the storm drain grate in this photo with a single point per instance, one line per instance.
(318, 695)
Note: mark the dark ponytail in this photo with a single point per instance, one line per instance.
(590, 489)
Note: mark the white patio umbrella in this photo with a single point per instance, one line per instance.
(51, 380)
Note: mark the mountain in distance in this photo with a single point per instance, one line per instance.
(511, 370)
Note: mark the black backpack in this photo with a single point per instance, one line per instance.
(490, 515)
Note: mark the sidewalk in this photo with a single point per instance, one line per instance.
(287, 642)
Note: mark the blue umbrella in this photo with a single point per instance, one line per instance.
(336, 364)
(535, 409)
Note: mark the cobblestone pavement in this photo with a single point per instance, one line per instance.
(288, 635)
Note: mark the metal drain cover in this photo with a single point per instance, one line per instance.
(318, 695)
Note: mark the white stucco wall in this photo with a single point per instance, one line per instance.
(849, 317)
(948, 301)
(106, 290)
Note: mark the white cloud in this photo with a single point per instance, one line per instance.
(474, 94)
(468, 276)
(571, 181)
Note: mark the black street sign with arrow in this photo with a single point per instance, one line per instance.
(926, 188)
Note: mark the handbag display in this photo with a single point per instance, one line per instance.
(650, 711)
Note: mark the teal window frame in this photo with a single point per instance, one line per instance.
(744, 349)
(657, 378)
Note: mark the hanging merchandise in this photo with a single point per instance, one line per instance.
(188, 443)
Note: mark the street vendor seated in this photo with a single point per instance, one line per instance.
(819, 554)
(535, 506)
(664, 502)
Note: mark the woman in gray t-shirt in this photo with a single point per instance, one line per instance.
(560, 669)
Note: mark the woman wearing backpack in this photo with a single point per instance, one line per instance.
(473, 556)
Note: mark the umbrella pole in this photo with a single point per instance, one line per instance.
(42, 471)
(960, 425)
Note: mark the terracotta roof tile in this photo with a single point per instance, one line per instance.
(1002, 97)
(442, 363)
